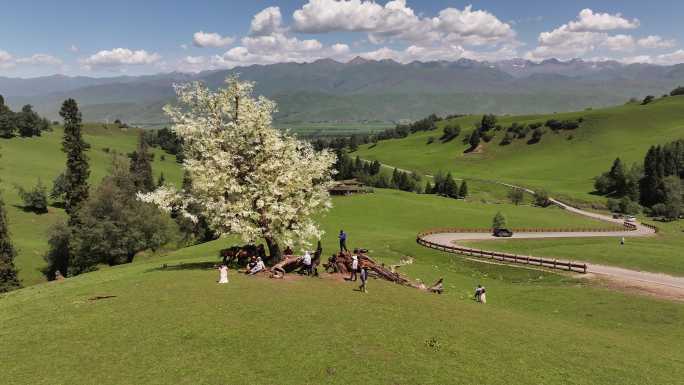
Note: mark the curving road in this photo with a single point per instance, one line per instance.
(661, 285)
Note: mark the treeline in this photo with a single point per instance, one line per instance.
(25, 123)
(167, 140)
(369, 174)
(446, 186)
(655, 185)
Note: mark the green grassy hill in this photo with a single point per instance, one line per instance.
(25, 160)
(564, 163)
(176, 325)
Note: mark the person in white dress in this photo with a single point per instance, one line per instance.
(223, 274)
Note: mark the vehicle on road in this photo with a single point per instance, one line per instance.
(503, 233)
(630, 218)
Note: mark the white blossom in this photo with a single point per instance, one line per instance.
(248, 178)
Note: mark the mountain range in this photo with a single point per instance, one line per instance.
(365, 90)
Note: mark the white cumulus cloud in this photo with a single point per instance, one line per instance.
(266, 22)
(655, 41)
(211, 39)
(587, 20)
(40, 59)
(119, 57)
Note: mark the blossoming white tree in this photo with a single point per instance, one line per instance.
(248, 178)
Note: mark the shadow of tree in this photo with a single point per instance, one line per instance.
(185, 266)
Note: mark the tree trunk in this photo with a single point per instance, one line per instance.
(275, 254)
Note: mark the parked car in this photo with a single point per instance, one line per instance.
(630, 218)
(504, 233)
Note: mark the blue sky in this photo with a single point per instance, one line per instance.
(97, 38)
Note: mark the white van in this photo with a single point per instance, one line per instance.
(630, 218)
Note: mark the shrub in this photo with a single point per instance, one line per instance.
(541, 198)
(677, 91)
(488, 136)
(647, 99)
(36, 199)
(499, 221)
(516, 196)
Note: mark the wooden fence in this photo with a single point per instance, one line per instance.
(508, 257)
(504, 257)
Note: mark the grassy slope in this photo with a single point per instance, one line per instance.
(24, 160)
(176, 325)
(565, 167)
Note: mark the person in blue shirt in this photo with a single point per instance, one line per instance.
(343, 241)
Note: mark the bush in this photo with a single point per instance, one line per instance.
(541, 198)
(624, 206)
(536, 135)
(488, 136)
(499, 221)
(647, 99)
(36, 199)
(677, 91)
(507, 139)
(516, 196)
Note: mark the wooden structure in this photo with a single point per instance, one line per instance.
(349, 187)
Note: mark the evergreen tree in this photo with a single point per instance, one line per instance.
(161, 181)
(463, 191)
(516, 196)
(499, 221)
(27, 122)
(450, 187)
(428, 188)
(474, 140)
(77, 168)
(7, 123)
(618, 175)
(8, 272)
(141, 167)
(650, 182)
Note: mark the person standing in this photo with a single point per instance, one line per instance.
(354, 267)
(622, 241)
(483, 295)
(364, 277)
(306, 261)
(223, 274)
(343, 240)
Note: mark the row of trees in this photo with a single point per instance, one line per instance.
(445, 185)
(25, 123)
(369, 174)
(656, 185)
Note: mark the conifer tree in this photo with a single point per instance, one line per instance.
(8, 272)
(77, 168)
(463, 191)
(141, 166)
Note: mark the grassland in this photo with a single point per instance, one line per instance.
(175, 325)
(563, 163)
(25, 160)
(310, 129)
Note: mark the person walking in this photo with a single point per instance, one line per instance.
(622, 241)
(343, 240)
(478, 293)
(364, 277)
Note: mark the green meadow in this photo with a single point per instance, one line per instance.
(176, 325)
(564, 163)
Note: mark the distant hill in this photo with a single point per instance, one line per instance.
(361, 90)
(564, 162)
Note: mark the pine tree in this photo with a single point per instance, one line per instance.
(8, 272)
(619, 177)
(499, 221)
(77, 168)
(463, 191)
(450, 187)
(141, 167)
(428, 187)
(474, 140)
(161, 181)
(7, 121)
